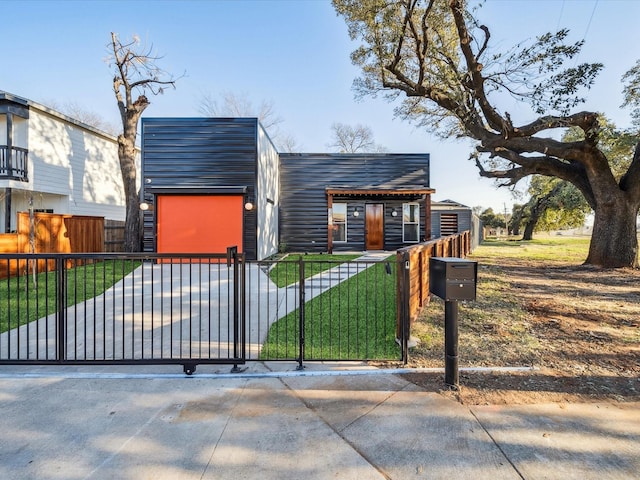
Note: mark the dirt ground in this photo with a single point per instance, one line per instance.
(583, 329)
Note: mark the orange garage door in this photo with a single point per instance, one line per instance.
(199, 223)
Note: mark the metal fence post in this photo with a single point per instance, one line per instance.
(404, 271)
(451, 343)
(61, 311)
(232, 260)
(243, 304)
(301, 296)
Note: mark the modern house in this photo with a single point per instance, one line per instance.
(354, 202)
(52, 163)
(216, 182)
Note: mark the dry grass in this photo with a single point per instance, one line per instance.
(538, 306)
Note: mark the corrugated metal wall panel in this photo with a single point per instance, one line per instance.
(464, 219)
(305, 177)
(203, 152)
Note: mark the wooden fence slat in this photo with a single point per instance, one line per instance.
(52, 233)
(458, 245)
(113, 236)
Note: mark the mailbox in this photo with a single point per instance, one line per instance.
(453, 278)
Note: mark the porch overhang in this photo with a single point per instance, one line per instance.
(383, 192)
(378, 192)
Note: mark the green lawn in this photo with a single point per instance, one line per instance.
(544, 248)
(356, 319)
(24, 300)
(286, 271)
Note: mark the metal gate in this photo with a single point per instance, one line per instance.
(192, 309)
(123, 309)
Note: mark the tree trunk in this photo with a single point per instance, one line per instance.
(132, 232)
(614, 241)
(529, 227)
(516, 221)
(536, 212)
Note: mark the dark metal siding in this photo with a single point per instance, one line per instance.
(356, 225)
(305, 177)
(199, 152)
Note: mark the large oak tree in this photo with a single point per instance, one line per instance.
(135, 74)
(440, 57)
(555, 203)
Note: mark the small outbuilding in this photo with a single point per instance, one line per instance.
(449, 217)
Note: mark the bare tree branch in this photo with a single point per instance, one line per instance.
(135, 72)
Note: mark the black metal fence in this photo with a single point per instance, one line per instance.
(196, 309)
(330, 310)
(14, 163)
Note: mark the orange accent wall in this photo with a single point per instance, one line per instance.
(199, 223)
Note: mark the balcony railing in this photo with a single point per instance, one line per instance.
(13, 163)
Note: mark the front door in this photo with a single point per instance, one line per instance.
(374, 230)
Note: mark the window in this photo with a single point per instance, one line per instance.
(410, 222)
(448, 224)
(339, 222)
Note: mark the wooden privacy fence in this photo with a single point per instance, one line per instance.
(113, 236)
(413, 278)
(8, 243)
(51, 233)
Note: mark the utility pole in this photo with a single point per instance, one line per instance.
(506, 220)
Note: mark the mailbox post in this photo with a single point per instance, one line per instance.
(452, 279)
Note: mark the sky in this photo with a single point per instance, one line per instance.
(294, 54)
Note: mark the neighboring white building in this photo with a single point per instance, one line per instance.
(55, 164)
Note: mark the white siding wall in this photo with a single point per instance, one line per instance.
(66, 159)
(20, 201)
(267, 191)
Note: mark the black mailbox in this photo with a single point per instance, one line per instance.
(453, 278)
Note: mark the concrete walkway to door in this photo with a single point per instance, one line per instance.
(322, 282)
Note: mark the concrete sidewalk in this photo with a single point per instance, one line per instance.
(154, 423)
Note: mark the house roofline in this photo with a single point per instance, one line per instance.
(50, 111)
(346, 191)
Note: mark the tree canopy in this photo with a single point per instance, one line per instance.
(553, 205)
(439, 57)
(490, 219)
(353, 139)
(556, 204)
(230, 104)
